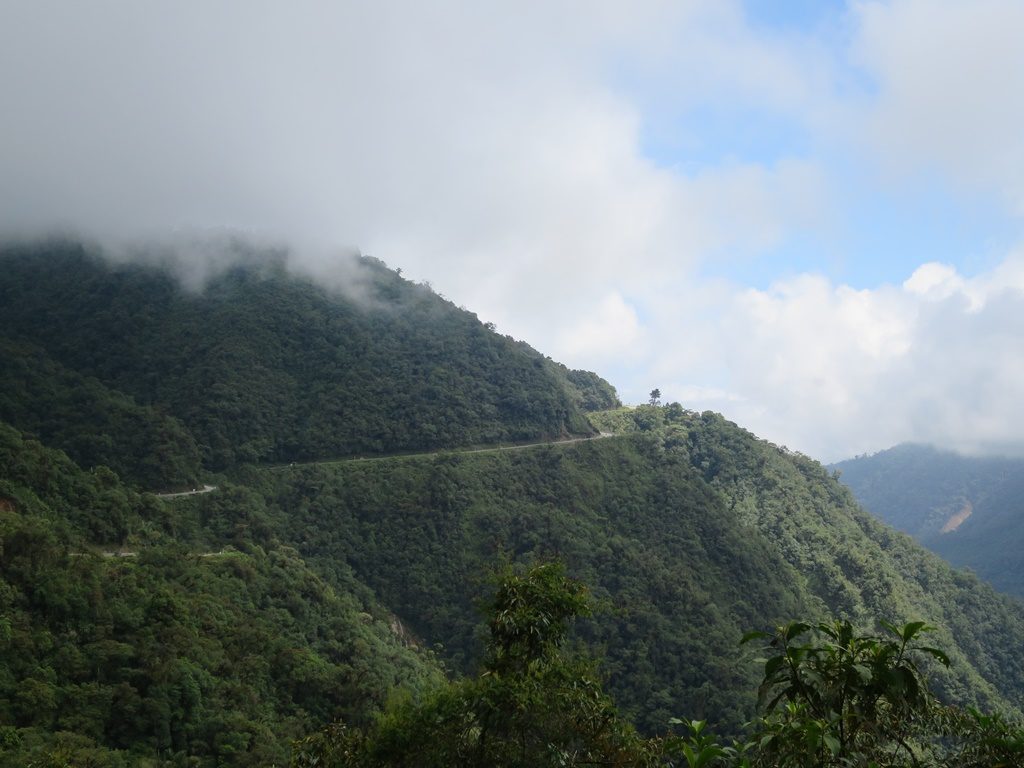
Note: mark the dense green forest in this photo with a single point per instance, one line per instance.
(689, 529)
(831, 697)
(333, 575)
(121, 643)
(92, 423)
(261, 365)
(970, 510)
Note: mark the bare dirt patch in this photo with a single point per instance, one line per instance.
(957, 520)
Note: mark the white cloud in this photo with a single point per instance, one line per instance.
(835, 372)
(949, 76)
(480, 148)
(498, 152)
(934, 280)
(610, 331)
(483, 149)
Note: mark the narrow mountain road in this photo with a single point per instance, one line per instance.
(390, 456)
(194, 492)
(209, 488)
(131, 553)
(457, 451)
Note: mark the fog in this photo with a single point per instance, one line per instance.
(547, 165)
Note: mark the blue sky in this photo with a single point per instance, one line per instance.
(805, 215)
(801, 15)
(882, 229)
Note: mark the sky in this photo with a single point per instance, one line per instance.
(808, 216)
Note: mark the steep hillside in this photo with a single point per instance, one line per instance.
(93, 424)
(262, 365)
(228, 623)
(172, 647)
(690, 529)
(970, 510)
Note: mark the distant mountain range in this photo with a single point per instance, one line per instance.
(968, 509)
(215, 628)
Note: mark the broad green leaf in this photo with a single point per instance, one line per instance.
(793, 629)
(911, 630)
(832, 743)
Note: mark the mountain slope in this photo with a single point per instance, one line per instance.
(692, 531)
(970, 510)
(171, 649)
(92, 423)
(262, 365)
(293, 594)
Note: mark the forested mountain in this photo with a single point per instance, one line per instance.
(213, 629)
(121, 642)
(261, 365)
(690, 529)
(968, 509)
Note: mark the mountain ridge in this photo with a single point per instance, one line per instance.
(690, 530)
(920, 489)
(262, 365)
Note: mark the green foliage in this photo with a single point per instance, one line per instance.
(965, 508)
(93, 424)
(233, 622)
(861, 569)
(917, 488)
(681, 578)
(164, 654)
(593, 392)
(700, 749)
(532, 705)
(835, 698)
(690, 533)
(261, 365)
(642, 418)
(845, 698)
(530, 616)
(972, 739)
(832, 698)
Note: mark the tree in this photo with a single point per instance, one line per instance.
(845, 699)
(833, 698)
(533, 704)
(838, 699)
(655, 396)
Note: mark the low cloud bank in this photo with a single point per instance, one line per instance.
(835, 372)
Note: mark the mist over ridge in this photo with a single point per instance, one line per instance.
(806, 218)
